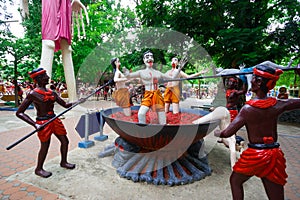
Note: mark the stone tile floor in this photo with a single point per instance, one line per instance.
(24, 155)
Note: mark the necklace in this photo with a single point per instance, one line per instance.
(262, 103)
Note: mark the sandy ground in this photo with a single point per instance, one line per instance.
(95, 178)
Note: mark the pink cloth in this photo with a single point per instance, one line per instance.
(56, 21)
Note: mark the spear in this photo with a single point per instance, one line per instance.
(222, 75)
(60, 114)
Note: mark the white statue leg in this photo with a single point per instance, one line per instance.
(127, 111)
(231, 144)
(175, 107)
(69, 70)
(47, 56)
(142, 114)
(167, 107)
(202, 153)
(249, 78)
(161, 117)
(222, 114)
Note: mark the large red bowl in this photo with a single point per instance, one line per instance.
(157, 136)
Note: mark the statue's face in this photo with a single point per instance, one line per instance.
(174, 62)
(256, 83)
(117, 63)
(43, 79)
(232, 83)
(148, 59)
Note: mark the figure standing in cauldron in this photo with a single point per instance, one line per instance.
(152, 96)
(172, 92)
(121, 95)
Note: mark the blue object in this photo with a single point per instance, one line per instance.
(93, 125)
(86, 144)
(101, 137)
(10, 108)
(243, 77)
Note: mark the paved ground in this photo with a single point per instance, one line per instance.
(19, 182)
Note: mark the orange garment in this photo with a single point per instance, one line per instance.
(121, 97)
(154, 99)
(55, 127)
(263, 163)
(2, 89)
(172, 94)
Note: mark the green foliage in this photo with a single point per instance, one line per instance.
(106, 19)
(233, 32)
(91, 55)
(17, 50)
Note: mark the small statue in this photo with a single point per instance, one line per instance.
(233, 95)
(282, 93)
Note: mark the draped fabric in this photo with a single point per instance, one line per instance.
(262, 103)
(48, 95)
(172, 94)
(56, 21)
(263, 163)
(55, 127)
(122, 98)
(154, 99)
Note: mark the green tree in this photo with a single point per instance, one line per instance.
(17, 50)
(233, 32)
(106, 19)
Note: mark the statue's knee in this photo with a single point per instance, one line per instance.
(65, 46)
(49, 44)
(67, 49)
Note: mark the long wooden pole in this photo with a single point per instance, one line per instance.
(220, 75)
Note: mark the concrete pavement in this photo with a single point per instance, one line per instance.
(18, 181)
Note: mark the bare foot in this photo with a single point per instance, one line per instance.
(67, 165)
(42, 173)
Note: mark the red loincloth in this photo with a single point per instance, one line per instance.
(263, 163)
(55, 127)
(233, 114)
